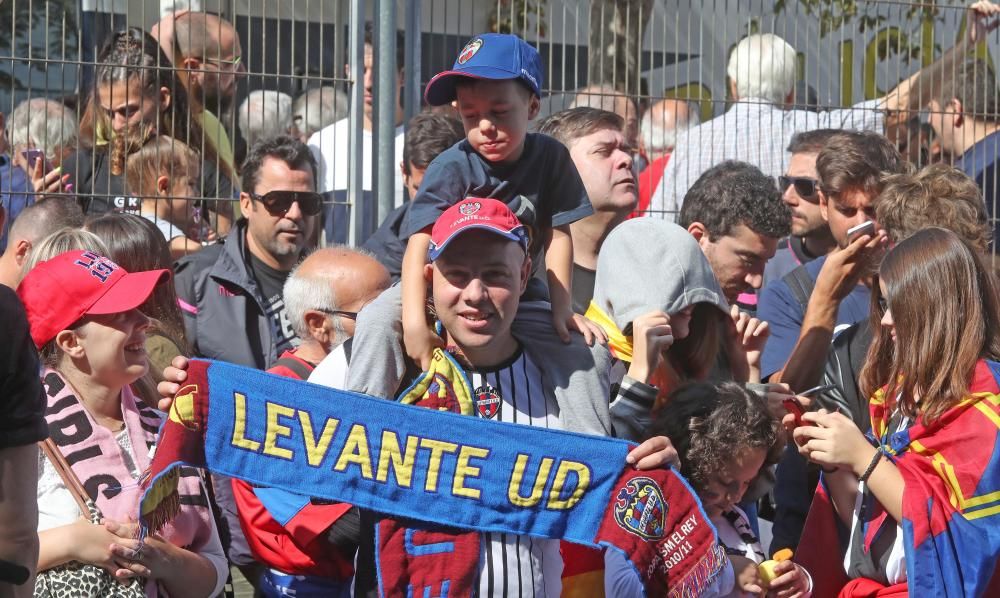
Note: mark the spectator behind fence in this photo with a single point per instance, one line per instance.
(164, 173)
(37, 221)
(809, 304)
(724, 437)
(427, 135)
(605, 97)
(231, 292)
(596, 144)
(22, 402)
(810, 237)
(915, 501)
(658, 131)
(316, 109)
(323, 295)
(136, 244)
(14, 185)
(263, 114)
(84, 317)
(207, 49)
(45, 126)
(758, 128)
(136, 92)
(331, 145)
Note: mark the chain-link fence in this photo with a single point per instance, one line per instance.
(293, 66)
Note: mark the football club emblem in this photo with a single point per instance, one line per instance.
(470, 50)
(488, 401)
(640, 509)
(441, 396)
(470, 208)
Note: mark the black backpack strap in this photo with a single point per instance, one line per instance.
(801, 285)
(300, 369)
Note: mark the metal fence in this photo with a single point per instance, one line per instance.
(625, 55)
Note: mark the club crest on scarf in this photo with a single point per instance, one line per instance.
(640, 509)
(488, 401)
(443, 387)
(182, 409)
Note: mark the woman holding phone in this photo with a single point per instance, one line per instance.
(918, 496)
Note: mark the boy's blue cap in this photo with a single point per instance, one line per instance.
(489, 56)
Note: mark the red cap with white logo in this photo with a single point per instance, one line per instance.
(476, 214)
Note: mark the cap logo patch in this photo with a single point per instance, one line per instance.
(100, 267)
(470, 50)
(468, 209)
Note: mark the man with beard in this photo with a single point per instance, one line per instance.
(231, 293)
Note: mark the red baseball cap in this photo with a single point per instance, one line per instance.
(60, 291)
(482, 214)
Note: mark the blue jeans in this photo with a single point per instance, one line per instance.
(275, 584)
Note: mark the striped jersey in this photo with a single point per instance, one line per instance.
(512, 565)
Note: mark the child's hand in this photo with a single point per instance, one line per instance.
(654, 453)
(420, 343)
(792, 581)
(651, 337)
(747, 578)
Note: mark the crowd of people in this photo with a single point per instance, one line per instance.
(797, 309)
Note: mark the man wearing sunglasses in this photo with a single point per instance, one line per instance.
(799, 187)
(231, 294)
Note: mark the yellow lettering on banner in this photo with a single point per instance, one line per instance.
(275, 430)
(437, 448)
(316, 449)
(402, 464)
(514, 489)
(463, 469)
(582, 481)
(356, 452)
(240, 439)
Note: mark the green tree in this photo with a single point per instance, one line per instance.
(36, 29)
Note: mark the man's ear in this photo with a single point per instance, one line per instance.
(429, 272)
(698, 231)
(165, 98)
(22, 249)
(533, 107)
(246, 203)
(824, 204)
(959, 115)
(69, 343)
(318, 325)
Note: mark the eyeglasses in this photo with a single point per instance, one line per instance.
(350, 315)
(806, 187)
(231, 65)
(279, 201)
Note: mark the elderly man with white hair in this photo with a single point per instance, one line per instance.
(263, 114)
(316, 109)
(658, 131)
(757, 128)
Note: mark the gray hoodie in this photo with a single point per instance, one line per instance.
(647, 265)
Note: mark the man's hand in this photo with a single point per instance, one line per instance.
(981, 19)
(845, 267)
(592, 333)
(173, 376)
(651, 337)
(750, 336)
(654, 453)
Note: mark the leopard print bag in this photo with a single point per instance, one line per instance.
(76, 579)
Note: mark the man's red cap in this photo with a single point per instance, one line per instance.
(58, 292)
(476, 213)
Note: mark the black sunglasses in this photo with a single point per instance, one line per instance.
(806, 187)
(350, 315)
(279, 201)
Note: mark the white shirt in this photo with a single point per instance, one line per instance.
(332, 371)
(331, 148)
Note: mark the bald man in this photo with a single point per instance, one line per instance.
(33, 224)
(658, 132)
(607, 98)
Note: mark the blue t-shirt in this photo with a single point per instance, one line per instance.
(543, 188)
(980, 162)
(15, 194)
(784, 314)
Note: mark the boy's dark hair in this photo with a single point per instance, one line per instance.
(400, 44)
(283, 147)
(734, 193)
(857, 160)
(810, 142)
(569, 125)
(974, 84)
(427, 135)
(709, 423)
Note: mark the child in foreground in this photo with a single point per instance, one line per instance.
(724, 436)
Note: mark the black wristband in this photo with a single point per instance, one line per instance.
(871, 466)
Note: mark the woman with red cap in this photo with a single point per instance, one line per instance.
(84, 318)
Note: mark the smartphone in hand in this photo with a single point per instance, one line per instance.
(865, 228)
(793, 406)
(32, 156)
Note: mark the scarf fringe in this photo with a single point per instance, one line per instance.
(166, 508)
(701, 575)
